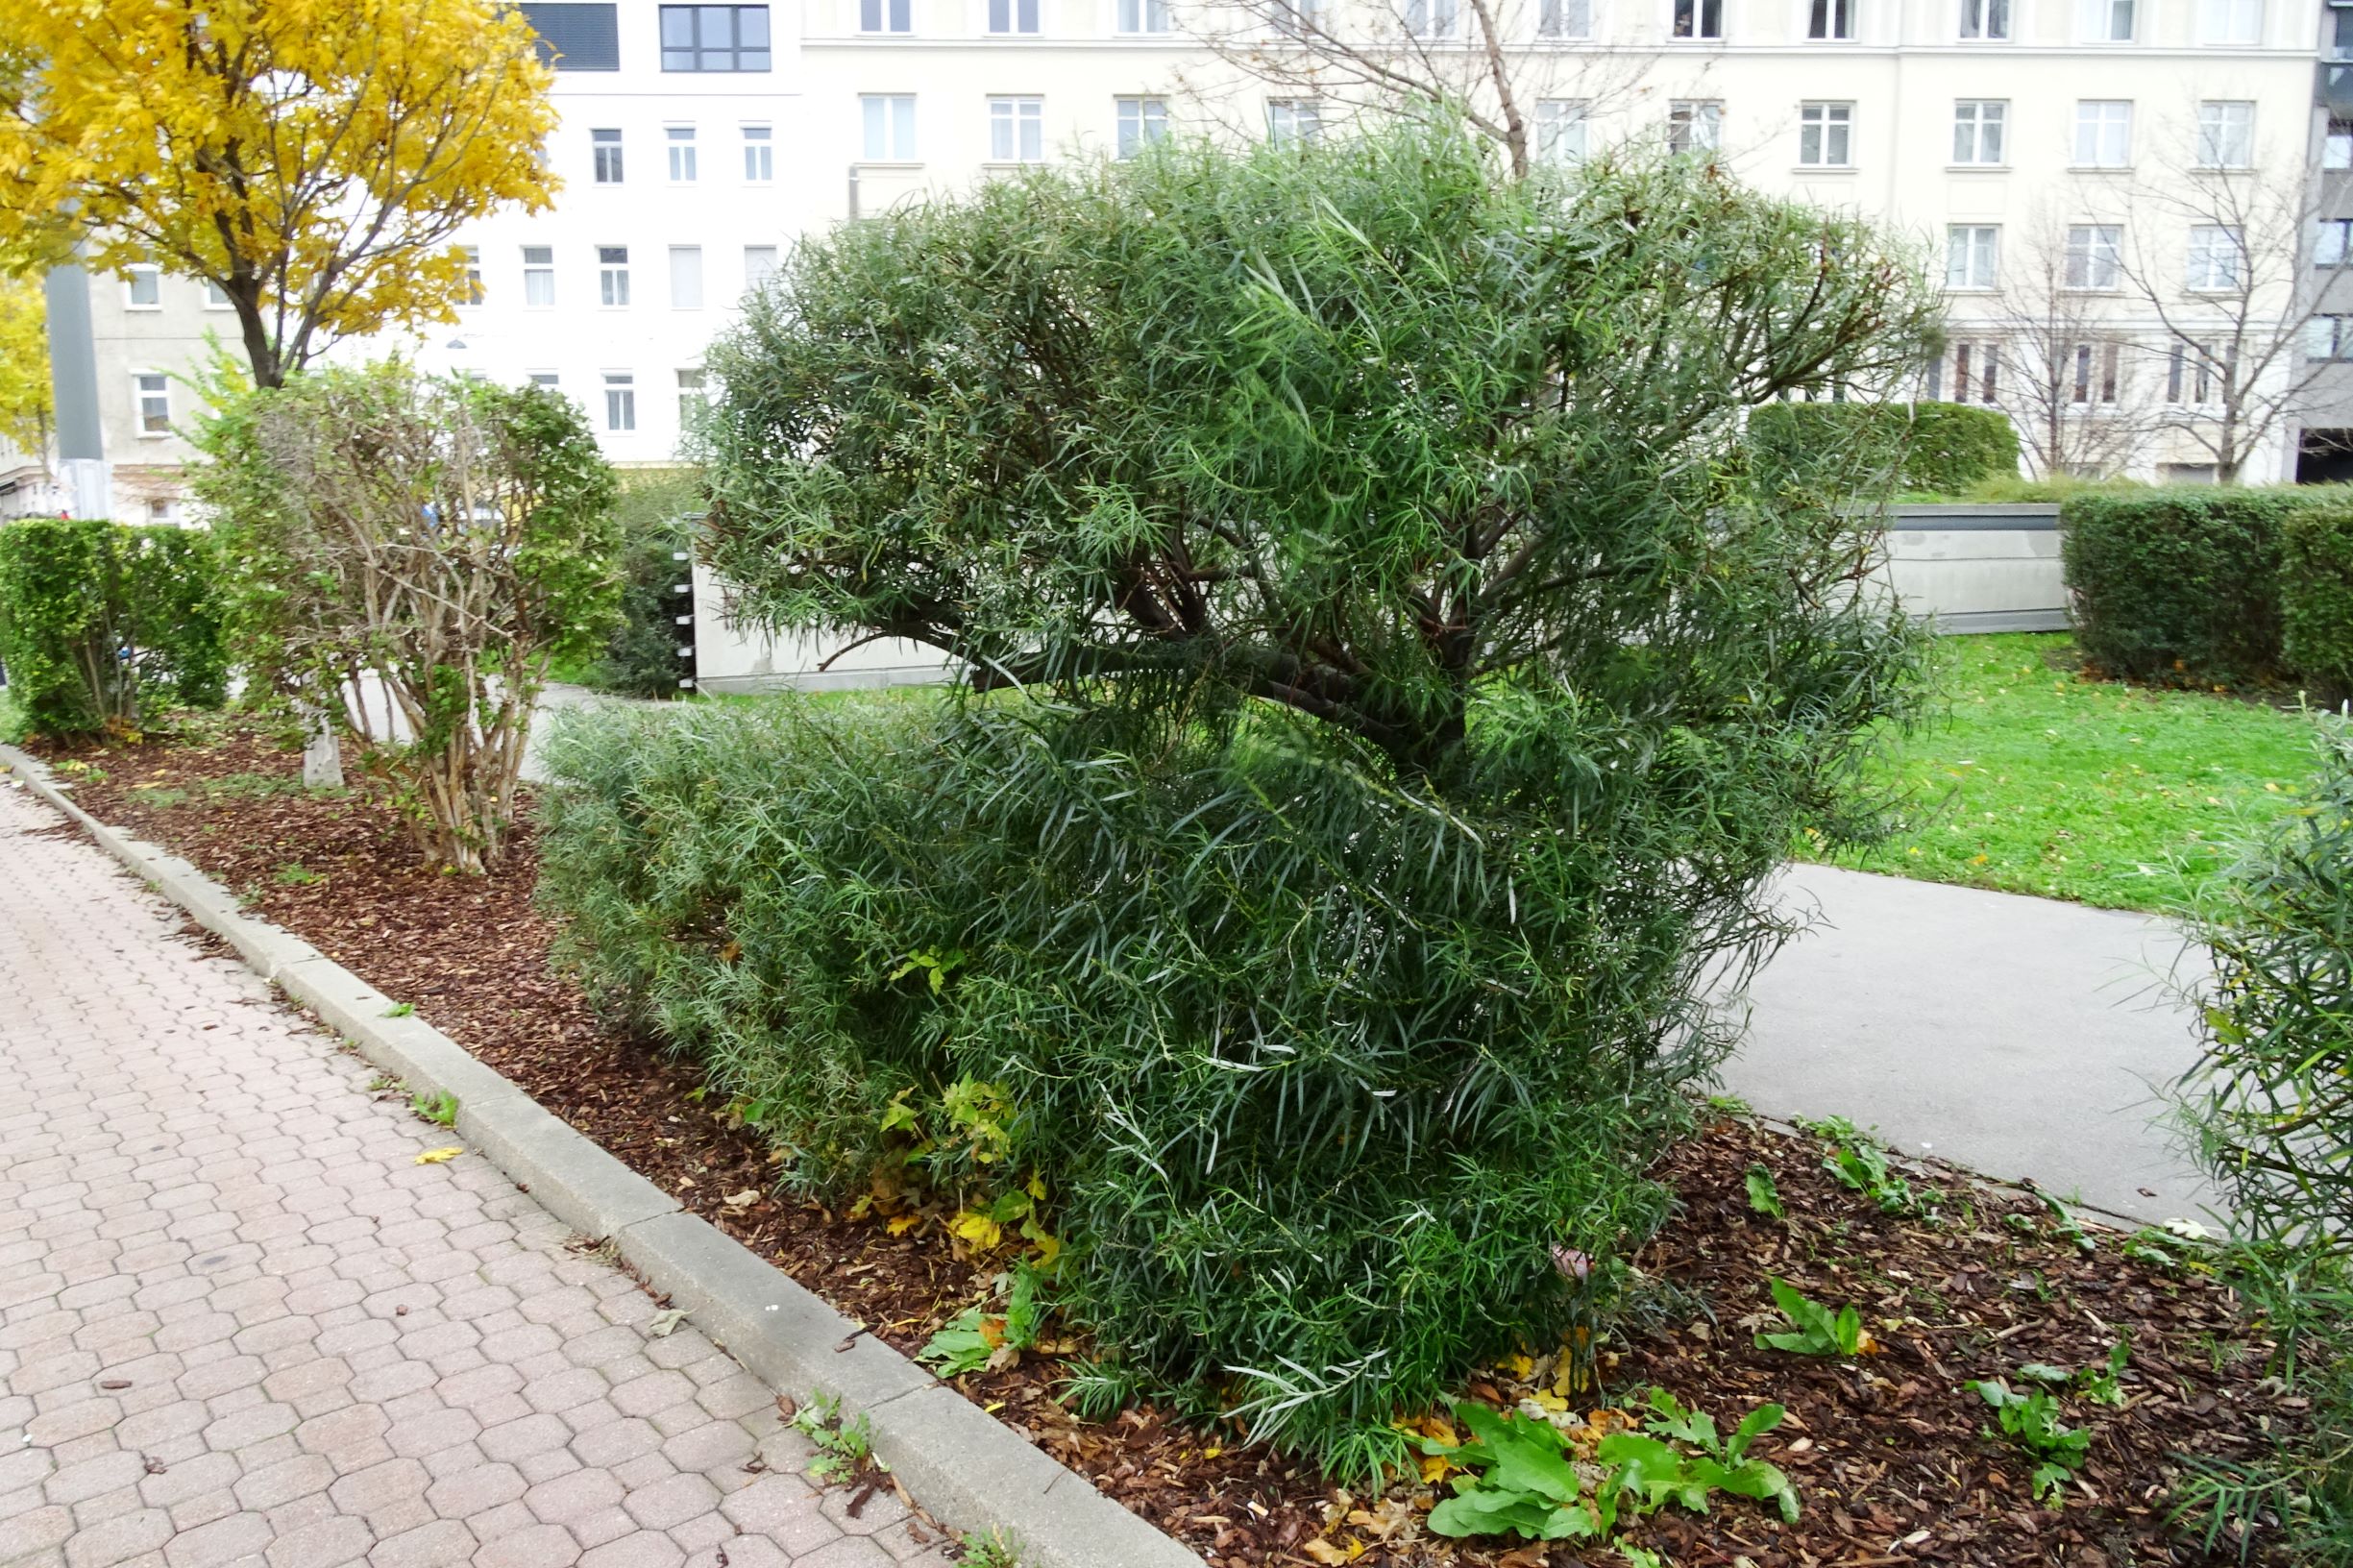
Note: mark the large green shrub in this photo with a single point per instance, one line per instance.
(1942, 447)
(2179, 584)
(424, 545)
(97, 620)
(2269, 1113)
(1419, 687)
(2317, 596)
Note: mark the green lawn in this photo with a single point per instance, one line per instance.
(2027, 779)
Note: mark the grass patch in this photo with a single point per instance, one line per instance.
(2027, 779)
(11, 718)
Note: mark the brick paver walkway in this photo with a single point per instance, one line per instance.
(241, 1325)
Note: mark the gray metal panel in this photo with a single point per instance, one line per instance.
(2022, 517)
(73, 364)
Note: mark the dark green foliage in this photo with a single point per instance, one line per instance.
(99, 620)
(2317, 596)
(2180, 584)
(1418, 686)
(1942, 447)
(640, 656)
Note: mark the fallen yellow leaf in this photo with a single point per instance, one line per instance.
(1433, 1469)
(439, 1157)
(1323, 1551)
(1519, 1366)
(977, 1228)
(906, 1223)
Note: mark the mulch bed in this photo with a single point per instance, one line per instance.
(1889, 1451)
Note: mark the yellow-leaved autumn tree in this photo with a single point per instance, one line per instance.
(24, 366)
(311, 157)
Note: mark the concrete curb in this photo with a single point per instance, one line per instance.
(976, 1475)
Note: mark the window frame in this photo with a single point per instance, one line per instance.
(620, 401)
(148, 273)
(2201, 248)
(1979, 122)
(142, 414)
(775, 256)
(1830, 21)
(2102, 30)
(613, 278)
(1555, 16)
(693, 273)
(2094, 260)
(701, 52)
(608, 159)
(1696, 22)
(759, 143)
(882, 18)
(1013, 14)
(541, 270)
(1695, 125)
(1987, 21)
(1554, 116)
(2209, 144)
(1291, 134)
(1969, 250)
(1148, 110)
(2100, 126)
(1826, 120)
(1020, 118)
(2230, 13)
(688, 143)
(889, 123)
(1133, 18)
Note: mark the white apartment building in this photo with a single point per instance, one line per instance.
(699, 141)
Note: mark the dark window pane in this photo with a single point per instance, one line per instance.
(575, 37)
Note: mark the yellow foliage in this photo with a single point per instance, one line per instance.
(975, 1226)
(314, 158)
(24, 364)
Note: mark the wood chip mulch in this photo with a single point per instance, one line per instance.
(1889, 1451)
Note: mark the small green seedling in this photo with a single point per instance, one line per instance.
(295, 874)
(441, 1110)
(1815, 1331)
(843, 1448)
(974, 1340)
(1516, 1479)
(1764, 1196)
(1655, 1473)
(2098, 1384)
(400, 1010)
(990, 1551)
(2031, 1420)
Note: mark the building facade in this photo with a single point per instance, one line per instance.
(2086, 176)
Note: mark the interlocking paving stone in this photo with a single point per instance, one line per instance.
(331, 1355)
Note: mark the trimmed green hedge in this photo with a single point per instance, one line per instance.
(2317, 596)
(97, 616)
(2181, 584)
(1947, 446)
(641, 655)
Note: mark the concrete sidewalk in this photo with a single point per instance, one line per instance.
(2020, 1037)
(240, 1324)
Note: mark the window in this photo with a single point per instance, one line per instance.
(1016, 130)
(759, 264)
(715, 37)
(472, 254)
(1140, 120)
(2216, 257)
(2096, 371)
(1143, 16)
(544, 377)
(691, 401)
(889, 127)
(1976, 372)
(1695, 125)
(613, 275)
(154, 396)
(2333, 246)
(1973, 254)
(1830, 19)
(682, 139)
(2336, 151)
(884, 17)
(2194, 372)
(1565, 19)
(1013, 15)
(620, 401)
(1823, 133)
(2329, 337)
(1431, 18)
(1294, 121)
(2105, 21)
(605, 147)
(2103, 134)
(2226, 135)
(759, 155)
(160, 510)
(576, 37)
(2341, 32)
(686, 277)
(1699, 19)
(1985, 18)
(539, 277)
(1299, 19)
(143, 288)
(1561, 129)
(216, 298)
(2094, 255)
(1977, 130)
(2230, 21)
